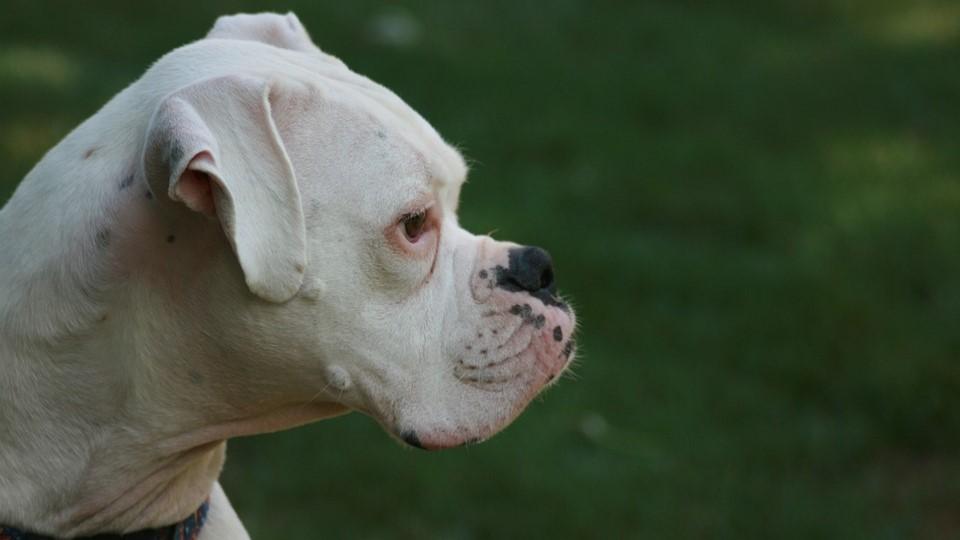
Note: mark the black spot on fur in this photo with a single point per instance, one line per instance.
(483, 274)
(103, 238)
(568, 349)
(127, 182)
(525, 312)
(149, 195)
(171, 239)
(381, 134)
(557, 334)
(410, 437)
(176, 154)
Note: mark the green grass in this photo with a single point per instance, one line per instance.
(756, 208)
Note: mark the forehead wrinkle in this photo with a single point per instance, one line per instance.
(427, 174)
(418, 134)
(323, 73)
(450, 169)
(418, 149)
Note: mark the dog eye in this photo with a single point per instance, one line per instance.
(414, 225)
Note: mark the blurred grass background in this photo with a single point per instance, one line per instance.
(756, 207)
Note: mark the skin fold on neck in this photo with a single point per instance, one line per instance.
(119, 422)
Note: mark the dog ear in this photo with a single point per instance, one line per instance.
(214, 147)
(284, 31)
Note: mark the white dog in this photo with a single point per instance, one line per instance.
(249, 238)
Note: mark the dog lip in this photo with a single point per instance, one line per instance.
(551, 298)
(441, 442)
(410, 437)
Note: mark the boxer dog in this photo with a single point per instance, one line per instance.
(248, 238)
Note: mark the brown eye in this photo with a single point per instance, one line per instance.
(413, 225)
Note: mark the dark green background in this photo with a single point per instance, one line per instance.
(755, 205)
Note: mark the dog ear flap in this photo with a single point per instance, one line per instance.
(214, 147)
(284, 31)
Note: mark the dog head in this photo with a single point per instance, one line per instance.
(349, 280)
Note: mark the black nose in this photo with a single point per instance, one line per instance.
(531, 270)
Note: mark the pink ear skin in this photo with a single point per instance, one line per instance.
(214, 147)
(195, 189)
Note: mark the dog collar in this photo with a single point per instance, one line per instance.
(188, 529)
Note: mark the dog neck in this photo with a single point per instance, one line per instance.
(121, 424)
(81, 452)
